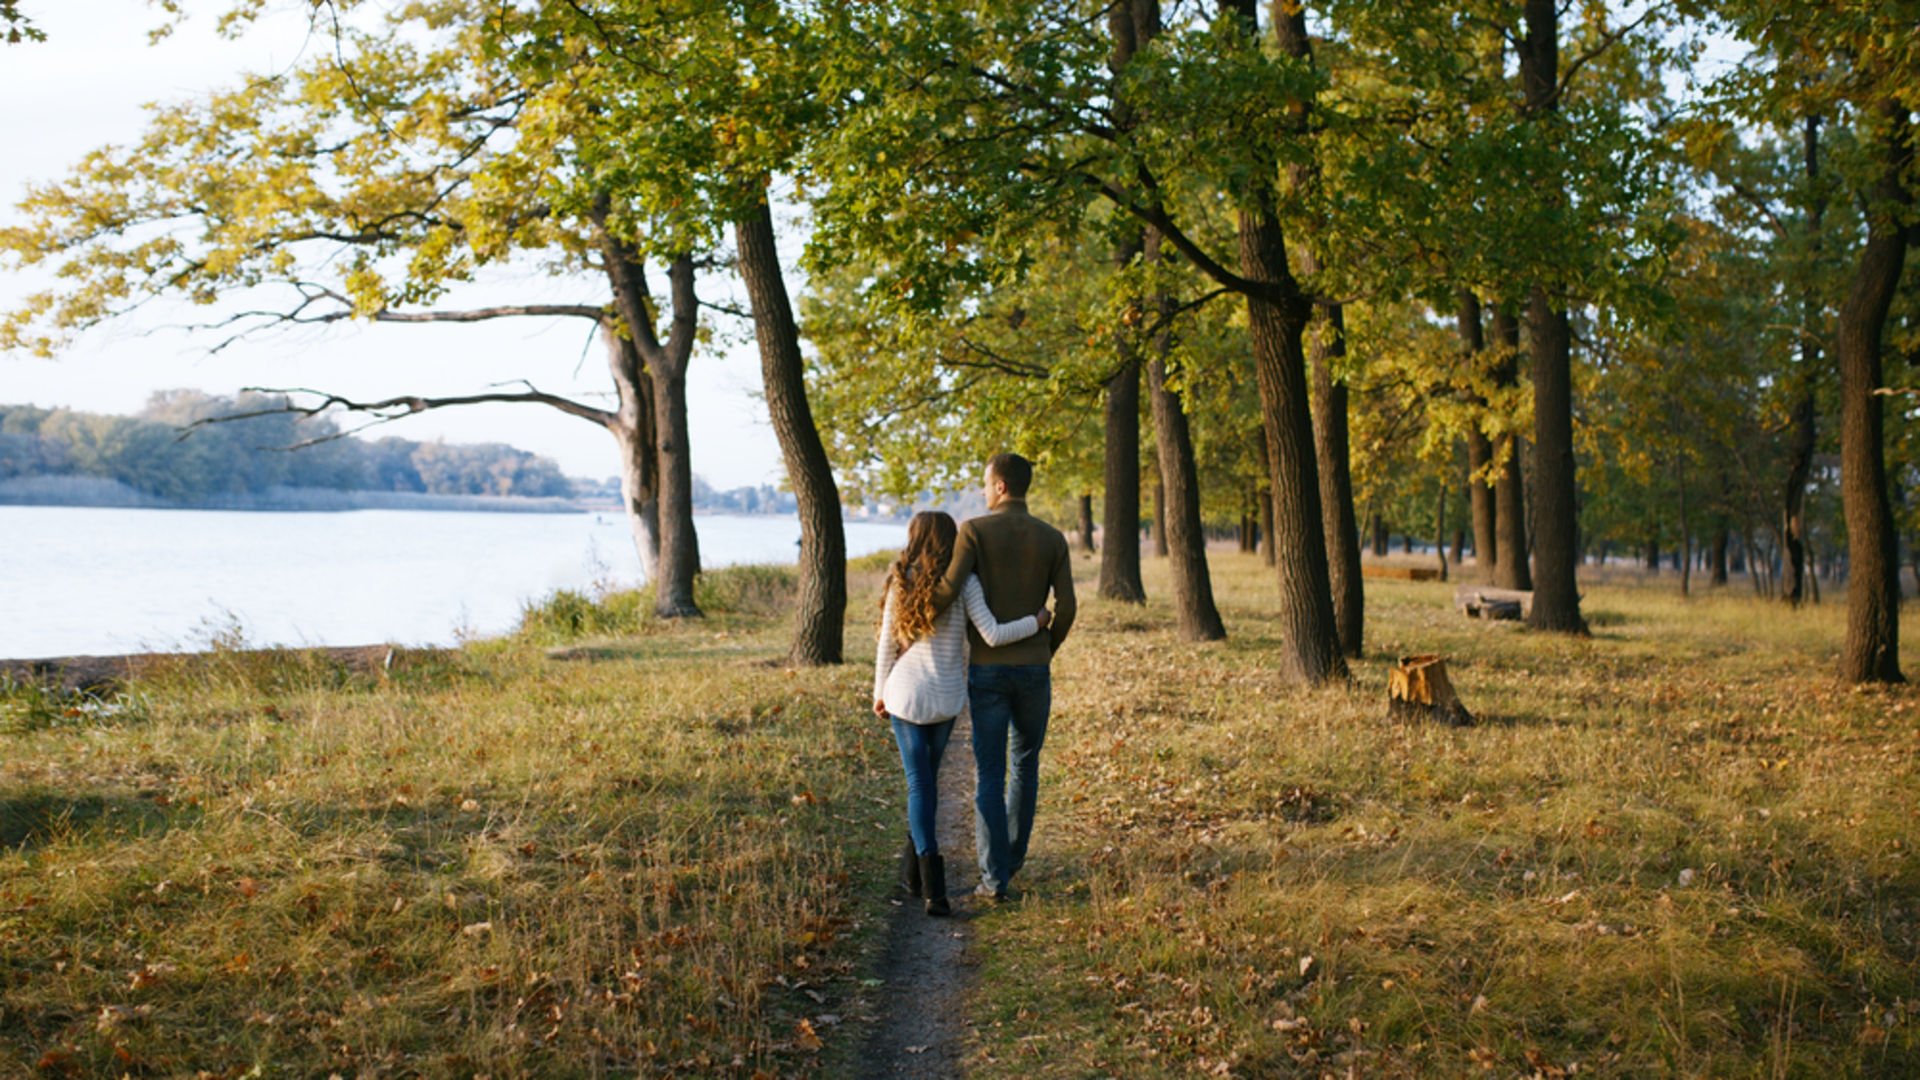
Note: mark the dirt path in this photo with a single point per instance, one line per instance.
(927, 971)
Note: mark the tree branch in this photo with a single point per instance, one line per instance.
(388, 410)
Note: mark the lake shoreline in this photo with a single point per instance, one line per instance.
(106, 673)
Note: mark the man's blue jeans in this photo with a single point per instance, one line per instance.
(920, 748)
(1010, 706)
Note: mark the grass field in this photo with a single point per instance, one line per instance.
(1679, 848)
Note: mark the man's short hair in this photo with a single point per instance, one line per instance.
(1014, 471)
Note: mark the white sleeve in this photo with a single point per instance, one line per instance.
(994, 633)
(886, 651)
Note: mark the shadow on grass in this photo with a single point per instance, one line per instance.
(31, 820)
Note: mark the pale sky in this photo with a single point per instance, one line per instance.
(85, 86)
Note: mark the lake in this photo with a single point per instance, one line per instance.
(76, 580)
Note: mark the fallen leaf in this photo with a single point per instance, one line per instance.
(805, 1037)
(477, 929)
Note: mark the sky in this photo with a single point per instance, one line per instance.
(85, 87)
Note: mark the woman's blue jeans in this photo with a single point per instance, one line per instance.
(920, 748)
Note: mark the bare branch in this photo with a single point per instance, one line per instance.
(395, 408)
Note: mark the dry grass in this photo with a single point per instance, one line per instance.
(1676, 848)
(499, 865)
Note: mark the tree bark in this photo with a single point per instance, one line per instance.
(821, 613)
(1440, 531)
(1479, 448)
(1510, 568)
(1801, 441)
(1332, 455)
(666, 368)
(1686, 531)
(1131, 24)
(1266, 527)
(1120, 558)
(1313, 651)
(1159, 525)
(1717, 561)
(1556, 596)
(1086, 523)
(632, 430)
(1179, 499)
(1872, 652)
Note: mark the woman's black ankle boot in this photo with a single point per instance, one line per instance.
(909, 869)
(933, 883)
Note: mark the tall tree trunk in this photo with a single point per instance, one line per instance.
(1266, 526)
(632, 430)
(1333, 457)
(1800, 445)
(1179, 499)
(1380, 536)
(1160, 519)
(1510, 569)
(1086, 523)
(1717, 561)
(1440, 531)
(1479, 448)
(1131, 24)
(1120, 510)
(666, 369)
(1872, 652)
(1459, 545)
(822, 609)
(1686, 531)
(1313, 651)
(1556, 596)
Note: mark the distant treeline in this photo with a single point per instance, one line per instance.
(147, 453)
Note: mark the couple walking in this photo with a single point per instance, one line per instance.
(938, 659)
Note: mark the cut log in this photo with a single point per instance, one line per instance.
(1486, 602)
(1418, 689)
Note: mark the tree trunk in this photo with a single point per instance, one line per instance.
(1086, 523)
(1479, 448)
(1440, 532)
(1266, 527)
(822, 607)
(1380, 537)
(666, 369)
(1177, 502)
(1717, 562)
(1801, 441)
(632, 431)
(1872, 652)
(1556, 596)
(1120, 559)
(1160, 519)
(1510, 569)
(1131, 24)
(1333, 457)
(1276, 320)
(1686, 532)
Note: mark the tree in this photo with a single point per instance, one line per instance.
(367, 183)
(1854, 64)
(697, 143)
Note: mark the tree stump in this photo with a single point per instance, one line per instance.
(1418, 689)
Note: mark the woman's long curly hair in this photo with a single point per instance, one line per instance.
(917, 572)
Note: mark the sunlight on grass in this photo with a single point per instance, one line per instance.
(614, 846)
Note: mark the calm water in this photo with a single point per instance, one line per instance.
(77, 580)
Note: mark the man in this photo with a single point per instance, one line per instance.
(1010, 689)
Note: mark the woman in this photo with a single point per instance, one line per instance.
(920, 683)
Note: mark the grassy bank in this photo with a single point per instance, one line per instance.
(613, 847)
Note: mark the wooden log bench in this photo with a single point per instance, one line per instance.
(1487, 602)
(1400, 573)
